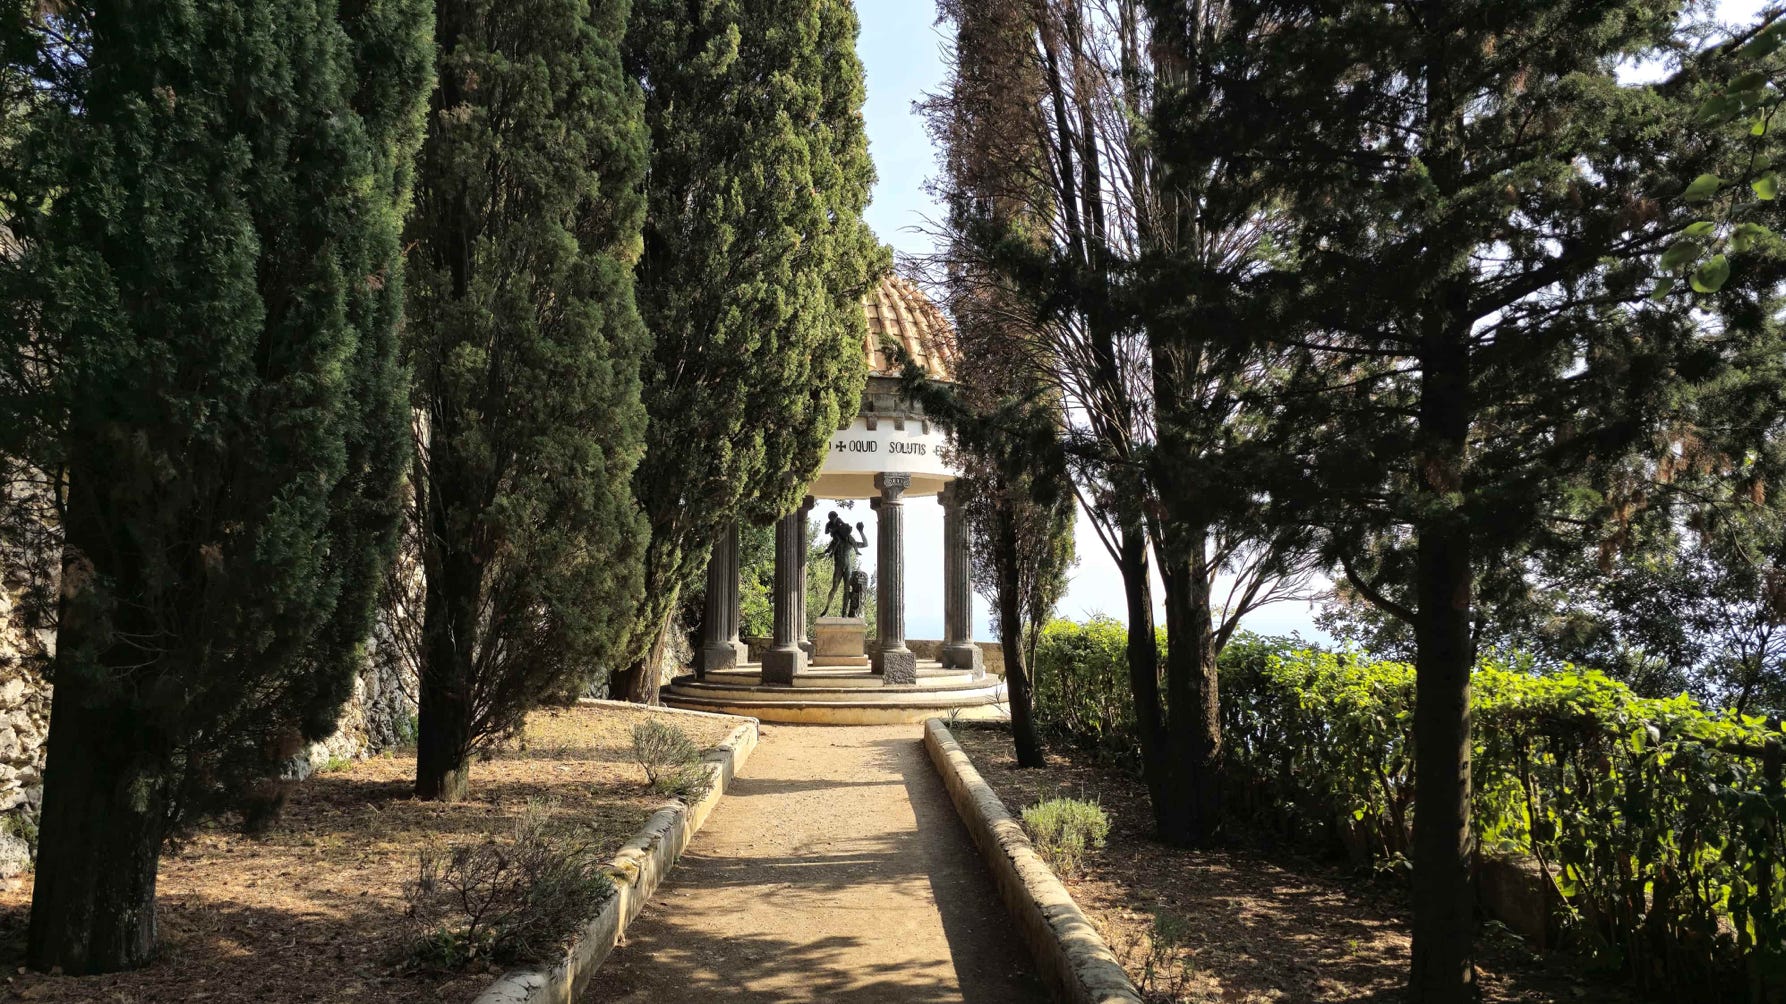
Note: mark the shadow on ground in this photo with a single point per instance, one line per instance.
(1253, 928)
(316, 909)
(834, 870)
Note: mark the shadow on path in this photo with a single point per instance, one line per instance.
(835, 870)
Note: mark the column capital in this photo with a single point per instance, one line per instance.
(807, 504)
(952, 495)
(892, 485)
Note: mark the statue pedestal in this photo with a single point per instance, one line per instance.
(838, 642)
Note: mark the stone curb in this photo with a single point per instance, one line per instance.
(637, 870)
(1073, 960)
(598, 702)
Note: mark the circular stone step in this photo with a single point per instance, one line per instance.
(828, 691)
(841, 698)
(929, 675)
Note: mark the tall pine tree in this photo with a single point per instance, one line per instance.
(755, 261)
(1479, 206)
(1122, 270)
(207, 286)
(1002, 416)
(525, 343)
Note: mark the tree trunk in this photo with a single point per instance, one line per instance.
(628, 682)
(1191, 813)
(637, 680)
(1143, 655)
(1443, 970)
(443, 738)
(444, 713)
(1010, 635)
(105, 784)
(98, 845)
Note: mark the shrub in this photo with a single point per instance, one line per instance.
(1082, 684)
(672, 762)
(1662, 824)
(1065, 830)
(1318, 741)
(509, 902)
(408, 730)
(1168, 969)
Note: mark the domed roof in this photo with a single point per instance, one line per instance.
(900, 314)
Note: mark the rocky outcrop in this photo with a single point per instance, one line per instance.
(380, 715)
(27, 641)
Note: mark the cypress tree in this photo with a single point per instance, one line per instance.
(1478, 209)
(1002, 418)
(755, 261)
(525, 344)
(207, 206)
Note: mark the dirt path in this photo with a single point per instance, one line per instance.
(834, 870)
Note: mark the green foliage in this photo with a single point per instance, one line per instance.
(1661, 821)
(526, 345)
(673, 763)
(1082, 684)
(334, 764)
(1282, 715)
(1168, 965)
(200, 349)
(21, 823)
(756, 580)
(505, 901)
(1065, 830)
(407, 728)
(754, 264)
(1477, 354)
(1737, 86)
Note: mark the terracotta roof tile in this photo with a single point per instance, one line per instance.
(900, 314)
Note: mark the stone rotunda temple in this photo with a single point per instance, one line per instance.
(889, 454)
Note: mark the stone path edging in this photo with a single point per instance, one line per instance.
(641, 864)
(1073, 960)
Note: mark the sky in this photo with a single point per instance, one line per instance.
(901, 49)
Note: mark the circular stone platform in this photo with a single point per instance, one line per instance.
(822, 696)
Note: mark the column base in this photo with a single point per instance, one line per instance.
(781, 665)
(896, 666)
(966, 655)
(725, 655)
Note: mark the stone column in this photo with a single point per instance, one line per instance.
(891, 658)
(785, 659)
(720, 647)
(805, 548)
(959, 650)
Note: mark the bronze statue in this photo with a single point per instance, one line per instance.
(852, 594)
(842, 552)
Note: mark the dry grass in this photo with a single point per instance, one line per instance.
(1246, 929)
(314, 911)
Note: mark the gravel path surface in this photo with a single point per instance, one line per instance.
(834, 870)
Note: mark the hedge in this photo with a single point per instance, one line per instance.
(1082, 684)
(1658, 822)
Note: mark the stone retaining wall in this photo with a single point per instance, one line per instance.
(24, 725)
(1070, 956)
(637, 871)
(379, 716)
(28, 539)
